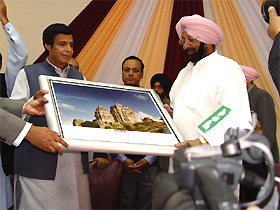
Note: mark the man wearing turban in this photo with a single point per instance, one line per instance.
(207, 82)
(262, 103)
(162, 85)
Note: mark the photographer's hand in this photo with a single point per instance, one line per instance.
(274, 23)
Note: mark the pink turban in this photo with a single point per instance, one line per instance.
(250, 73)
(200, 28)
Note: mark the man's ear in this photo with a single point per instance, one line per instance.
(48, 47)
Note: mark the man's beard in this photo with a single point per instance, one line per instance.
(196, 56)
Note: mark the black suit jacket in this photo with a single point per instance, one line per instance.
(274, 62)
(262, 103)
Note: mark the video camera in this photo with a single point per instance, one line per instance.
(266, 4)
(206, 176)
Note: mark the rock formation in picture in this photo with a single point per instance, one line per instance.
(123, 114)
(121, 118)
(103, 115)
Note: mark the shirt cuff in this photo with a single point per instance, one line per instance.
(27, 117)
(22, 134)
(8, 28)
(121, 157)
(150, 159)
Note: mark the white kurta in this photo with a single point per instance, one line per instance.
(69, 190)
(200, 90)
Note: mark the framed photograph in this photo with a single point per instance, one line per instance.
(102, 117)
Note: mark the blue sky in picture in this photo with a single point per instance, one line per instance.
(80, 102)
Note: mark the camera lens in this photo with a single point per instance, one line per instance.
(266, 4)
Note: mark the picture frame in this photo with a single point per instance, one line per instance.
(100, 117)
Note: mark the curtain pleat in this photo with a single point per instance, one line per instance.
(127, 41)
(175, 59)
(154, 46)
(85, 24)
(95, 50)
(239, 46)
(257, 27)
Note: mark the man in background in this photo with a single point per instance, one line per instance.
(17, 50)
(139, 170)
(274, 54)
(74, 64)
(162, 85)
(261, 103)
(16, 59)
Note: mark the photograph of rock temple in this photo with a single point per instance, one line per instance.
(108, 108)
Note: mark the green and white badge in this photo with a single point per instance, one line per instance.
(214, 127)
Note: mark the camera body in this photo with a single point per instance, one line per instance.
(266, 4)
(205, 177)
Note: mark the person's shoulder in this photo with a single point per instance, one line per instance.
(261, 93)
(33, 66)
(226, 65)
(184, 70)
(226, 59)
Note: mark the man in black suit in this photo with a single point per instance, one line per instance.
(261, 103)
(274, 54)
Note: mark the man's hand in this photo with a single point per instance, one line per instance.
(40, 93)
(141, 165)
(3, 13)
(45, 139)
(35, 107)
(188, 143)
(101, 162)
(128, 165)
(274, 23)
(258, 129)
(169, 110)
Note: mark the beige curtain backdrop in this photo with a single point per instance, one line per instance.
(239, 46)
(154, 46)
(93, 53)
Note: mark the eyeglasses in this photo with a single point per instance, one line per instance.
(189, 40)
